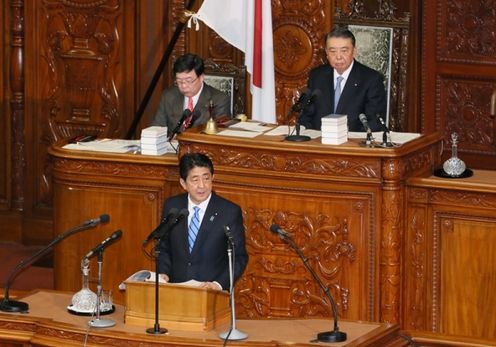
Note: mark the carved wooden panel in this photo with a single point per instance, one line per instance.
(5, 132)
(458, 77)
(333, 233)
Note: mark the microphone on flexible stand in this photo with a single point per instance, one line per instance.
(386, 135)
(174, 218)
(18, 306)
(98, 249)
(232, 333)
(363, 118)
(301, 105)
(179, 124)
(155, 234)
(328, 336)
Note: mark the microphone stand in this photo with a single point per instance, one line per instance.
(156, 330)
(19, 306)
(232, 333)
(329, 336)
(298, 137)
(97, 322)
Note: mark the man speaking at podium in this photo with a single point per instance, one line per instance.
(196, 248)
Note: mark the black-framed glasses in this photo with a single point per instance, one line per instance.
(185, 82)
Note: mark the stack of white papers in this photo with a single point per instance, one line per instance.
(154, 140)
(334, 129)
(106, 145)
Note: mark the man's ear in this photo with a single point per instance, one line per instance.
(182, 183)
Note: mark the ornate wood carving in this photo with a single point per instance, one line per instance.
(465, 102)
(416, 267)
(81, 52)
(463, 32)
(299, 163)
(17, 103)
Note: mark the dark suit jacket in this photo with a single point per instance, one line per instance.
(208, 261)
(171, 105)
(363, 92)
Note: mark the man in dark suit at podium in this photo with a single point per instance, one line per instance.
(346, 86)
(196, 248)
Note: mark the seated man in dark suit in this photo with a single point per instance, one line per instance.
(197, 247)
(361, 88)
(190, 92)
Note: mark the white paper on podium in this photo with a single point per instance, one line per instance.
(149, 276)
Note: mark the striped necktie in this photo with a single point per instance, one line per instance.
(337, 92)
(194, 226)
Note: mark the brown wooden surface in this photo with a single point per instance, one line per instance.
(344, 206)
(342, 203)
(49, 324)
(181, 307)
(449, 255)
(130, 189)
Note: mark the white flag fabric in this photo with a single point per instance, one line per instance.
(247, 25)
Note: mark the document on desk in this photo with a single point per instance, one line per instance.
(284, 130)
(239, 133)
(396, 137)
(106, 145)
(252, 126)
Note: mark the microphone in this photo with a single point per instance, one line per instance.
(383, 124)
(177, 128)
(196, 114)
(18, 306)
(386, 136)
(363, 119)
(173, 212)
(277, 230)
(104, 244)
(329, 336)
(229, 236)
(298, 105)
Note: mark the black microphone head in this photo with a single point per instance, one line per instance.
(104, 218)
(172, 212)
(317, 93)
(186, 114)
(275, 228)
(182, 214)
(116, 234)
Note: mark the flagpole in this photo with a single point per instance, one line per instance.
(183, 19)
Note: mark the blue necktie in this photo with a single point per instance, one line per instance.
(337, 92)
(194, 226)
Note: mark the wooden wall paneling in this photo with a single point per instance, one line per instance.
(459, 77)
(131, 193)
(334, 231)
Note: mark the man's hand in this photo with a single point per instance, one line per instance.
(164, 277)
(211, 285)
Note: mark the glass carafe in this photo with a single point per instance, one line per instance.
(454, 166)
(85, 299)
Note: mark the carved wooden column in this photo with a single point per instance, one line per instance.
(17, 102)
(392, 202)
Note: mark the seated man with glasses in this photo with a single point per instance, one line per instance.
(189, 92)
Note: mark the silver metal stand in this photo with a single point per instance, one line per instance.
(97, 322)
(232, 333)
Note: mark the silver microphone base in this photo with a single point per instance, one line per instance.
(233, 334)
(101, 323)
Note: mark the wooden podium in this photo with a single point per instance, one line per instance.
(181, 307)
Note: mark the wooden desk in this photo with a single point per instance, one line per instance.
(450, 274)
(343, 204)
(49, 324)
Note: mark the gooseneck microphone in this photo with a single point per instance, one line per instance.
(329, 336)
(386, 135)
(104, 244)
(363, 118)
(179, 124)
(173, 213)
(305, 100)
(18, 306)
